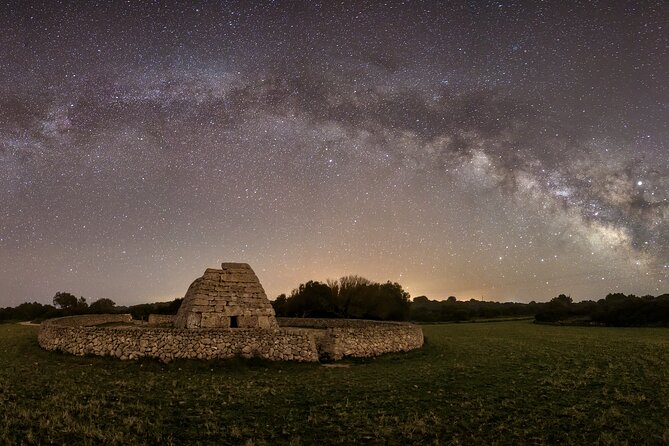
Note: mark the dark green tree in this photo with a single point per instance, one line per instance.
(345, 290)
(349, 297)
(103, 305)
(81, 306)
(279, 305)
(311, 299)
(65, 301)
(562, 299)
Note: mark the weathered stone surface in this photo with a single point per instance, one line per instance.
(264, 322)
(230, 297)
(359, 338)
(295, 341)
(232, 317)
(77, 336)
(161, 319)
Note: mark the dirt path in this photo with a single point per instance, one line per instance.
(28, 323)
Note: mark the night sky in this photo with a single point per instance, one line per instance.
(498, 150)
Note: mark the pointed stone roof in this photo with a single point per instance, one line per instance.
(230, 297)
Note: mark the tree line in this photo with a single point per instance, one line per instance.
(67, 304)
(615, 310)
(355, 297)
(454, 310)
(351, 297)
(358, 298)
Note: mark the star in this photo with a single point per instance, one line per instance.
(139, 144)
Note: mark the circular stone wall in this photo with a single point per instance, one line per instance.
(359, 338)
(296, 340)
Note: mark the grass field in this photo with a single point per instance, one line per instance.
(501, 383)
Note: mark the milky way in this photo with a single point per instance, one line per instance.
(497, 150)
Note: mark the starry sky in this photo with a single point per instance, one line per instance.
(500, 150)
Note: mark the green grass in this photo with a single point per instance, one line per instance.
(501, 383)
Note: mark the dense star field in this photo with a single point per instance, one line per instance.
(505, 150)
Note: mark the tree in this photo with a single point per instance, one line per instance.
(65, 301)
(26, 312)
(349, 297)
(562, 300)
(345, 290)
(103, 305)
(142, 311)
(81, 306)
(394, 303)
(311, 299)
(557, 309)
(279, 305)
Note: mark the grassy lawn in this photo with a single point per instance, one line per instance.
(501, 383)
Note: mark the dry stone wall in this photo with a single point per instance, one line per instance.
(92, 319)
(360, 338)
(308, 322)
(297, 340)
(161, 319)
(168, 344)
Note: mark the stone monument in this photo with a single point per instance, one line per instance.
(230, 297)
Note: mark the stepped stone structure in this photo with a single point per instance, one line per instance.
(225, 314)
(230, 297)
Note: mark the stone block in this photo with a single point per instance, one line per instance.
(210, 320)
(263, 322)
(247, 321)
(193, 320)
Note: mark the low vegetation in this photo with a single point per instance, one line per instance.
(488, 383)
